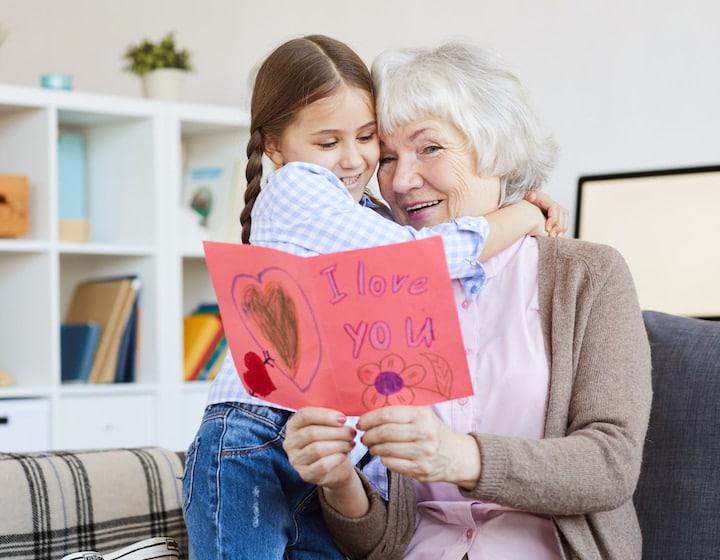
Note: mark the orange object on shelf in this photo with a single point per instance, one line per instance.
(14, 207)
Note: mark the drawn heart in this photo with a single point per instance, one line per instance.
(272, 311)
(277, 314)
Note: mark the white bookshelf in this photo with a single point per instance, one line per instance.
(135, 156)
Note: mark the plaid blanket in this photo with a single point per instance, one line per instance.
(55, 503)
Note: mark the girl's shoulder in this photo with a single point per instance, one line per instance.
(300, 169)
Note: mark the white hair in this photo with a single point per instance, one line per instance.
(468, 87)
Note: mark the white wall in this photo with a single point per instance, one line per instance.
(623, 84)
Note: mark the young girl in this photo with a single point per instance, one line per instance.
(312, 116)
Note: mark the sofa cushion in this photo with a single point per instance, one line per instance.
(678, 494)
(54, 503)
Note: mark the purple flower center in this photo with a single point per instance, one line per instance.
(388, 383)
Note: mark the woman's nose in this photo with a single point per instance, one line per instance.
(406, 176)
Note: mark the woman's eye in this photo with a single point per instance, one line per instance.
(384, 160)
(431, 149)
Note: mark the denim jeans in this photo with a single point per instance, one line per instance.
(242, 498)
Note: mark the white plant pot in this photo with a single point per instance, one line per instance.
(163, 83)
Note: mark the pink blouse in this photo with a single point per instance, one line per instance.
(506, 356)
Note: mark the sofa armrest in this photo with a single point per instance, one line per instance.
(58, 502)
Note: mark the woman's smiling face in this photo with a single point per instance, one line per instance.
(428, 175)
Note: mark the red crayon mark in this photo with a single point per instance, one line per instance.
(256, 377)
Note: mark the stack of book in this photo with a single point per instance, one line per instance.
(99, 335)
(205, 343)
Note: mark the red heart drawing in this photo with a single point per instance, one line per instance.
(277, 314)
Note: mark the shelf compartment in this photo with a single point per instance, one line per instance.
(122, 190)
(25, 134)
(76, 268)
(27, 337)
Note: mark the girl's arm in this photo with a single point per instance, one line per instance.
(304, 209)
(537, 215)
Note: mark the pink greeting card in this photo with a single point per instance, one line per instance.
(353, 331)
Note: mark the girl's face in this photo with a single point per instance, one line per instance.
(428, 175)
(338, 133)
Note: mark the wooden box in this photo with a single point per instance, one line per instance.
(14, 207)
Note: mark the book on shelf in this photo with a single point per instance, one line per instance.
(109, 302)
(209, 369)
(218, 363)
(213, 197)
(78, 345)
(128, 350)
(74, 224)
(203, 338)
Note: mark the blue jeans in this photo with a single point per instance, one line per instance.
(242, 498)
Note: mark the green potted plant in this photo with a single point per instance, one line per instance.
(162, 66)
(3, 34)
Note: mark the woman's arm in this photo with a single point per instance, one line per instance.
(413, 441)
(598, 408)
(362, 524)
(318, 444)
(600, 393)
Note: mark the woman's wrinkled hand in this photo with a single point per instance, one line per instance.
(414, 441)
(318, 444)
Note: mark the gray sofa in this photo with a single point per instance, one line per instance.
(678, 494)
(58, 502)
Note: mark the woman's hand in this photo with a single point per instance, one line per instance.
(414, 441)
(556, 215)
(318, 445)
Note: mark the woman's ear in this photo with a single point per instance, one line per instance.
(272, 151)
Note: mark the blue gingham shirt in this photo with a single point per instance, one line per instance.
(304, 209)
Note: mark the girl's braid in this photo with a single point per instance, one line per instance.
(253, 175)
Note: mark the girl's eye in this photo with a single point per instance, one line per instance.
(367, 137)
(327, 145)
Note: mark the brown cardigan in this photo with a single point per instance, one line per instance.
(583, 473)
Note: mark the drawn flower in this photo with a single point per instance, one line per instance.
(390, 382)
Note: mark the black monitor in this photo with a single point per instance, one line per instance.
(666, 223)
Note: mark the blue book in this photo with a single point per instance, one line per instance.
(125, 369)
(218, 354)
(72, 180)
(78, 344)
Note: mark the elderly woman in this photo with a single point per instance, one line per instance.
(543, 460)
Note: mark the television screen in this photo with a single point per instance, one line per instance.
(666, 224)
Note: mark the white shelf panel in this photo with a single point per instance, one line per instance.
(135, 150)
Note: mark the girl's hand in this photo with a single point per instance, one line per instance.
(413, 441)
(556, 215)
